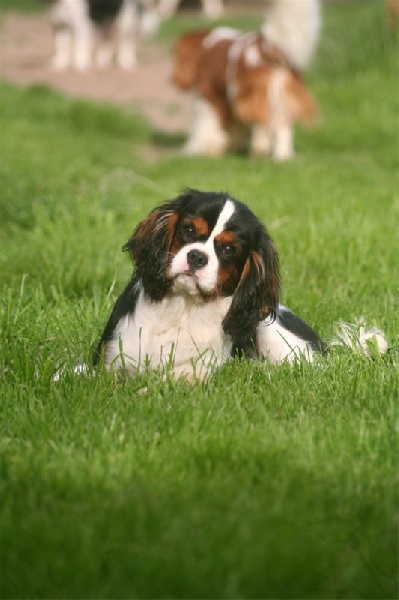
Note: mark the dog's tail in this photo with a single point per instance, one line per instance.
(360, 338)
(293, 26)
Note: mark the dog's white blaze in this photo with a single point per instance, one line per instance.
(207, 276)
(224, 217)
(177, 332)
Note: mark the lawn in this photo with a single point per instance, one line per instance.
(265, 482)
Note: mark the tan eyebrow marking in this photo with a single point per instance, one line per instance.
(226, 237)
(201, 226)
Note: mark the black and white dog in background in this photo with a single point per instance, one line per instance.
(100, 32)
(206, 285)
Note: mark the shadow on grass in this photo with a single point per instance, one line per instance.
(166, 139)
(176, 140)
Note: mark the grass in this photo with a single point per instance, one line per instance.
(29, 6)
(266, 482)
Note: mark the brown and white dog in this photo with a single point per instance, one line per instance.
(250, 84)
(99, 32)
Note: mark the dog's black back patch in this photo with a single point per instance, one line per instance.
(102, 11)
(293, 323)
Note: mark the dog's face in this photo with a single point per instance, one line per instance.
(187, 58)
(206, 246)
(208, 251)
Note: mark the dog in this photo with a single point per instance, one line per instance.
(205, 289)
(98, 32)
(250, 85)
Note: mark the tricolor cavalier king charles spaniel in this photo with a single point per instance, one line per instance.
(206, 286)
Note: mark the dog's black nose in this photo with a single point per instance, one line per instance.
(196, 260)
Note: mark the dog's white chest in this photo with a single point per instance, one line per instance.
(177, 332)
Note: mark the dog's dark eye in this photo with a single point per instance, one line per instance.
(188, 232)
(229, 250)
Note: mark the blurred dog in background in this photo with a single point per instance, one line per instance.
(100, 32)
(250, 84)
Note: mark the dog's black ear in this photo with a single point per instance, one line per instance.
(257, 294)
(149, 247)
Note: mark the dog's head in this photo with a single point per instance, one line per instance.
(207, 245)
(200, 59)
(187, 58)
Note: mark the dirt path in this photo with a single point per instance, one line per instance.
(26, 48)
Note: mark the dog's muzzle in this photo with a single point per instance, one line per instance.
(196, 260)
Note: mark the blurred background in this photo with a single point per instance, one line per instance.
(27, 47)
